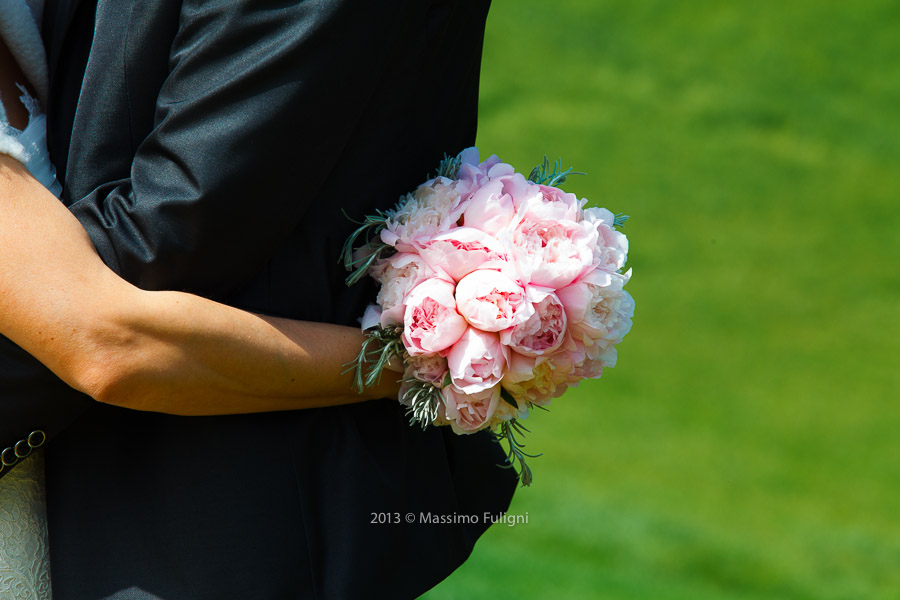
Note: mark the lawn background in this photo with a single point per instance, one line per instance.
(747, 446)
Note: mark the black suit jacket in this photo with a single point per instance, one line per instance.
(212, 147)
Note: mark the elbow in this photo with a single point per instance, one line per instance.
(103, 380)
(104, 374)
(94, 382)
(113, 365)
(128, 384)
(123, 359)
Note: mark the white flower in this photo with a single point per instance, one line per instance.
(611, 249)
(598, 309)
(429, 211)
(538, 380)
(398, 275)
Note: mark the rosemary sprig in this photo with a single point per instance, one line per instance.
(449, 167)
(542, 174)
(424, 401)
(508, 431)
(380, 346)
(368, 228)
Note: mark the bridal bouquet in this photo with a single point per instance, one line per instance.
(497, 293)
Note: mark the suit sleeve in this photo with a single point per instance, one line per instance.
(258, 103)
(35, 405)
(257, 106)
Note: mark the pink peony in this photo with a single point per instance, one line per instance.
(477, 361)
(472, 173)
(471, 168)
(398, 275)
(541, 334)
(491, 301)
(469, 413)
(548, 250)
(430, 322)
(554, 204)
(431, 368)
(462, 250)
(489, 208)
(599, 312)
(492, 208)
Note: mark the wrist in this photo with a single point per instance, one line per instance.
(388, 387)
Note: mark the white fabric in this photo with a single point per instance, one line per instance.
(33, 140)
(30, 146)
(20, 29)
(24, 556)
(9, 140)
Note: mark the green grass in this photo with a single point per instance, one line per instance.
(748, 444)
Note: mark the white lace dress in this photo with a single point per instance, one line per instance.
(24, 558)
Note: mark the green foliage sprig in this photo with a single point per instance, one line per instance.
(542, 175)
(449, 167)
(508, 432)
(380, 346)
(424, 400)
(370, 227)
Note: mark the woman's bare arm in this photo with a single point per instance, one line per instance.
(158, 351)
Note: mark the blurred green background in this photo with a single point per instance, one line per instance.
(747, 446)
